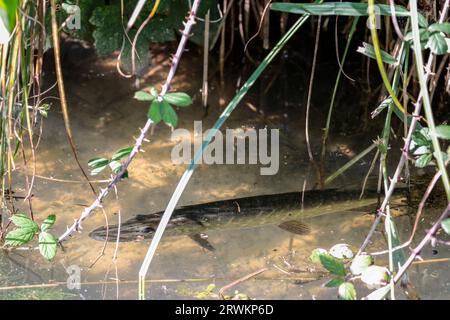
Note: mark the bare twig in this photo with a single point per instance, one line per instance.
(138, 32)
(76, 226)
(422, 244)
(430, 188)
(394, 20)
(311, 82)
(238, 281)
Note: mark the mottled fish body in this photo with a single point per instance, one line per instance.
(286, 210)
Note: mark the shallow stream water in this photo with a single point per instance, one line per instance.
(105, 118)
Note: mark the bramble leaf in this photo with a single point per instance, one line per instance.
(48, 223)
(154, 112)
(22, 221)
(332, 264)
(347, 291)
(19, 236)
(333, 283)
(168, 114)
(179, 99)
(47, 245)
(122, 153)
(144, 96)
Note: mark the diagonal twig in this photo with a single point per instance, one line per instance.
(76, 226)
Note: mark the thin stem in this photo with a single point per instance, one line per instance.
(311, 83)
(76, 226)
(404, 156)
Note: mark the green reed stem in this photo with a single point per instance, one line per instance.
(211, 133)
(379, 58)
(349, 164)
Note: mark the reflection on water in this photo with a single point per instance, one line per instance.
(105, 117)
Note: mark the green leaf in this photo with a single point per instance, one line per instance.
(445, 224)
(154, 112)
(379, 293)
(341, 251)
(20, 236)
(443, 131)
(115, 168)
(383, 105)
(169, 115)
(143, 96)
(98, 165)
(420, 150)
(198, 29)
(25, 231)
(98, 162)
(96, 171)
(360, 263)
(43, 109)
(69, 8)
(122, 153)
(342, 9)
(375, 275)
(437, 43)
(332, 264)
(22, 221)
(347, 291)
(108, 33)
(48, 223)
(207, 293)
(142, 55)
(421, 142)
(316, 253)
(369, 51)
(153, 92)
(179, 99)
(333, 283)
(423, 160)
(8, 10)
(159, 30)
(440, 27)
(86, 28)
(47, 245)
(424, 34)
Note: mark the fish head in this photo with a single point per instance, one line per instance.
(126, 232)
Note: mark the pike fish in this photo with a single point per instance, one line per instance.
(286, 210)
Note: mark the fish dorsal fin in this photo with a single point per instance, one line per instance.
(295, 226)
(202, 240)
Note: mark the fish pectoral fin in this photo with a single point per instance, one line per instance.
(295, 226)
(202, 240)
